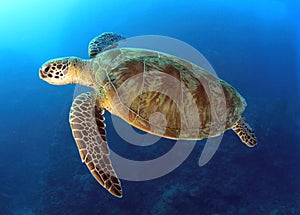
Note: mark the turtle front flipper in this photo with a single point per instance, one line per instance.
(89, 133)
(104, 42)
(245, 132)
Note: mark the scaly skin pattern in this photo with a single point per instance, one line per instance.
(245, 132)
(88, 129)
(137, 84)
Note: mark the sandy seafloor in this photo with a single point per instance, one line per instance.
(253, 45)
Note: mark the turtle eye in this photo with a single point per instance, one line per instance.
(47, 69)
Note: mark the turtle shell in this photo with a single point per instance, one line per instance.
(164, 95)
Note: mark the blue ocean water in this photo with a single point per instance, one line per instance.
(253, 45)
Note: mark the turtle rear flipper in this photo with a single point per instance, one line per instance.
(89, 133)
(245, 132)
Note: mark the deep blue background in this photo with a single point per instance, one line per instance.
(254, 45)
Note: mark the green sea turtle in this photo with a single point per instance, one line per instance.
(135, 83)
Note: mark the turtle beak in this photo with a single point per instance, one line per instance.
(41, 74)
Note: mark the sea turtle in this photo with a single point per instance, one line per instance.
(134, 84)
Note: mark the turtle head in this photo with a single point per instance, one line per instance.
(61, 71)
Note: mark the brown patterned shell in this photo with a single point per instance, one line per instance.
(165, 95)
